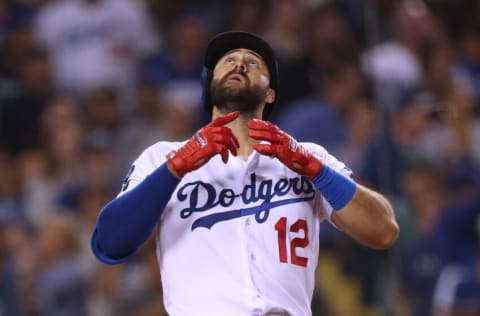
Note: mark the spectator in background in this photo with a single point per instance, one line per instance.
(468, 59)
(327, 44)
(131, 289)
(450, 140)
(453, 139)
(390, 154)
(14, 15)
(361, 125)
(437, 60)
(21, 130)
(18, 62)
(57, 164)
(418, 263)
(105, 128)
(178, 67)
(12, 231)
(10, 187)
(140, 289)
(457, 244)
(104, 284)
(394, 66)
(15, 38)
(283, 28)
(330, 42)
(247, 15)
(101, 167)
(11, 215)
(180, 110)
(397, 145)
(9, 300)
(102, 115)
(95, 43)
(369, 21)
(146, 124)
(17, 253)
(60, 284)
(17, 266)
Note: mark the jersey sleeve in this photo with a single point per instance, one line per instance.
(153, 157)
(329, 160)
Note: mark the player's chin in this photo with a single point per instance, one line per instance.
(232, 87)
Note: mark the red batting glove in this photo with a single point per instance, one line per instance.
(284, 147)
(212, 139)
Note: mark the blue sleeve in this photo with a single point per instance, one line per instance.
(126, 222)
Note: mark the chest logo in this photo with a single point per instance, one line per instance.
(203, 196)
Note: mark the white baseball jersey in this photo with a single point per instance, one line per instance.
(240, 238)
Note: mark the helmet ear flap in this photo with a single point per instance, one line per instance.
(206, 79)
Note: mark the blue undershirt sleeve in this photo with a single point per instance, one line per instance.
(126, 222)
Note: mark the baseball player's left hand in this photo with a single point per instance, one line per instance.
(284, 147)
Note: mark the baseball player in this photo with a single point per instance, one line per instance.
(239, 205)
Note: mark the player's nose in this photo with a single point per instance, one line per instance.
(241, 65)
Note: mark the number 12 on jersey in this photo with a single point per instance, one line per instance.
(281, 228)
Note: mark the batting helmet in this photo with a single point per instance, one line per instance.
(227, 41)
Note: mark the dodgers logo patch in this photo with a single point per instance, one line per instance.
(202, 196)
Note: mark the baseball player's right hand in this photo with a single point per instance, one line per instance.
(212, 139)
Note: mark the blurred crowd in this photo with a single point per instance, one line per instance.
(390, 87)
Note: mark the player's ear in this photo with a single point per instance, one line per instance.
(270, 97)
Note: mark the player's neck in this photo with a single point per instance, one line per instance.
(240, 130)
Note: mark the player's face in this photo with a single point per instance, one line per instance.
(240, 81)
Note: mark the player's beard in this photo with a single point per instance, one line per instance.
(242, 97)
